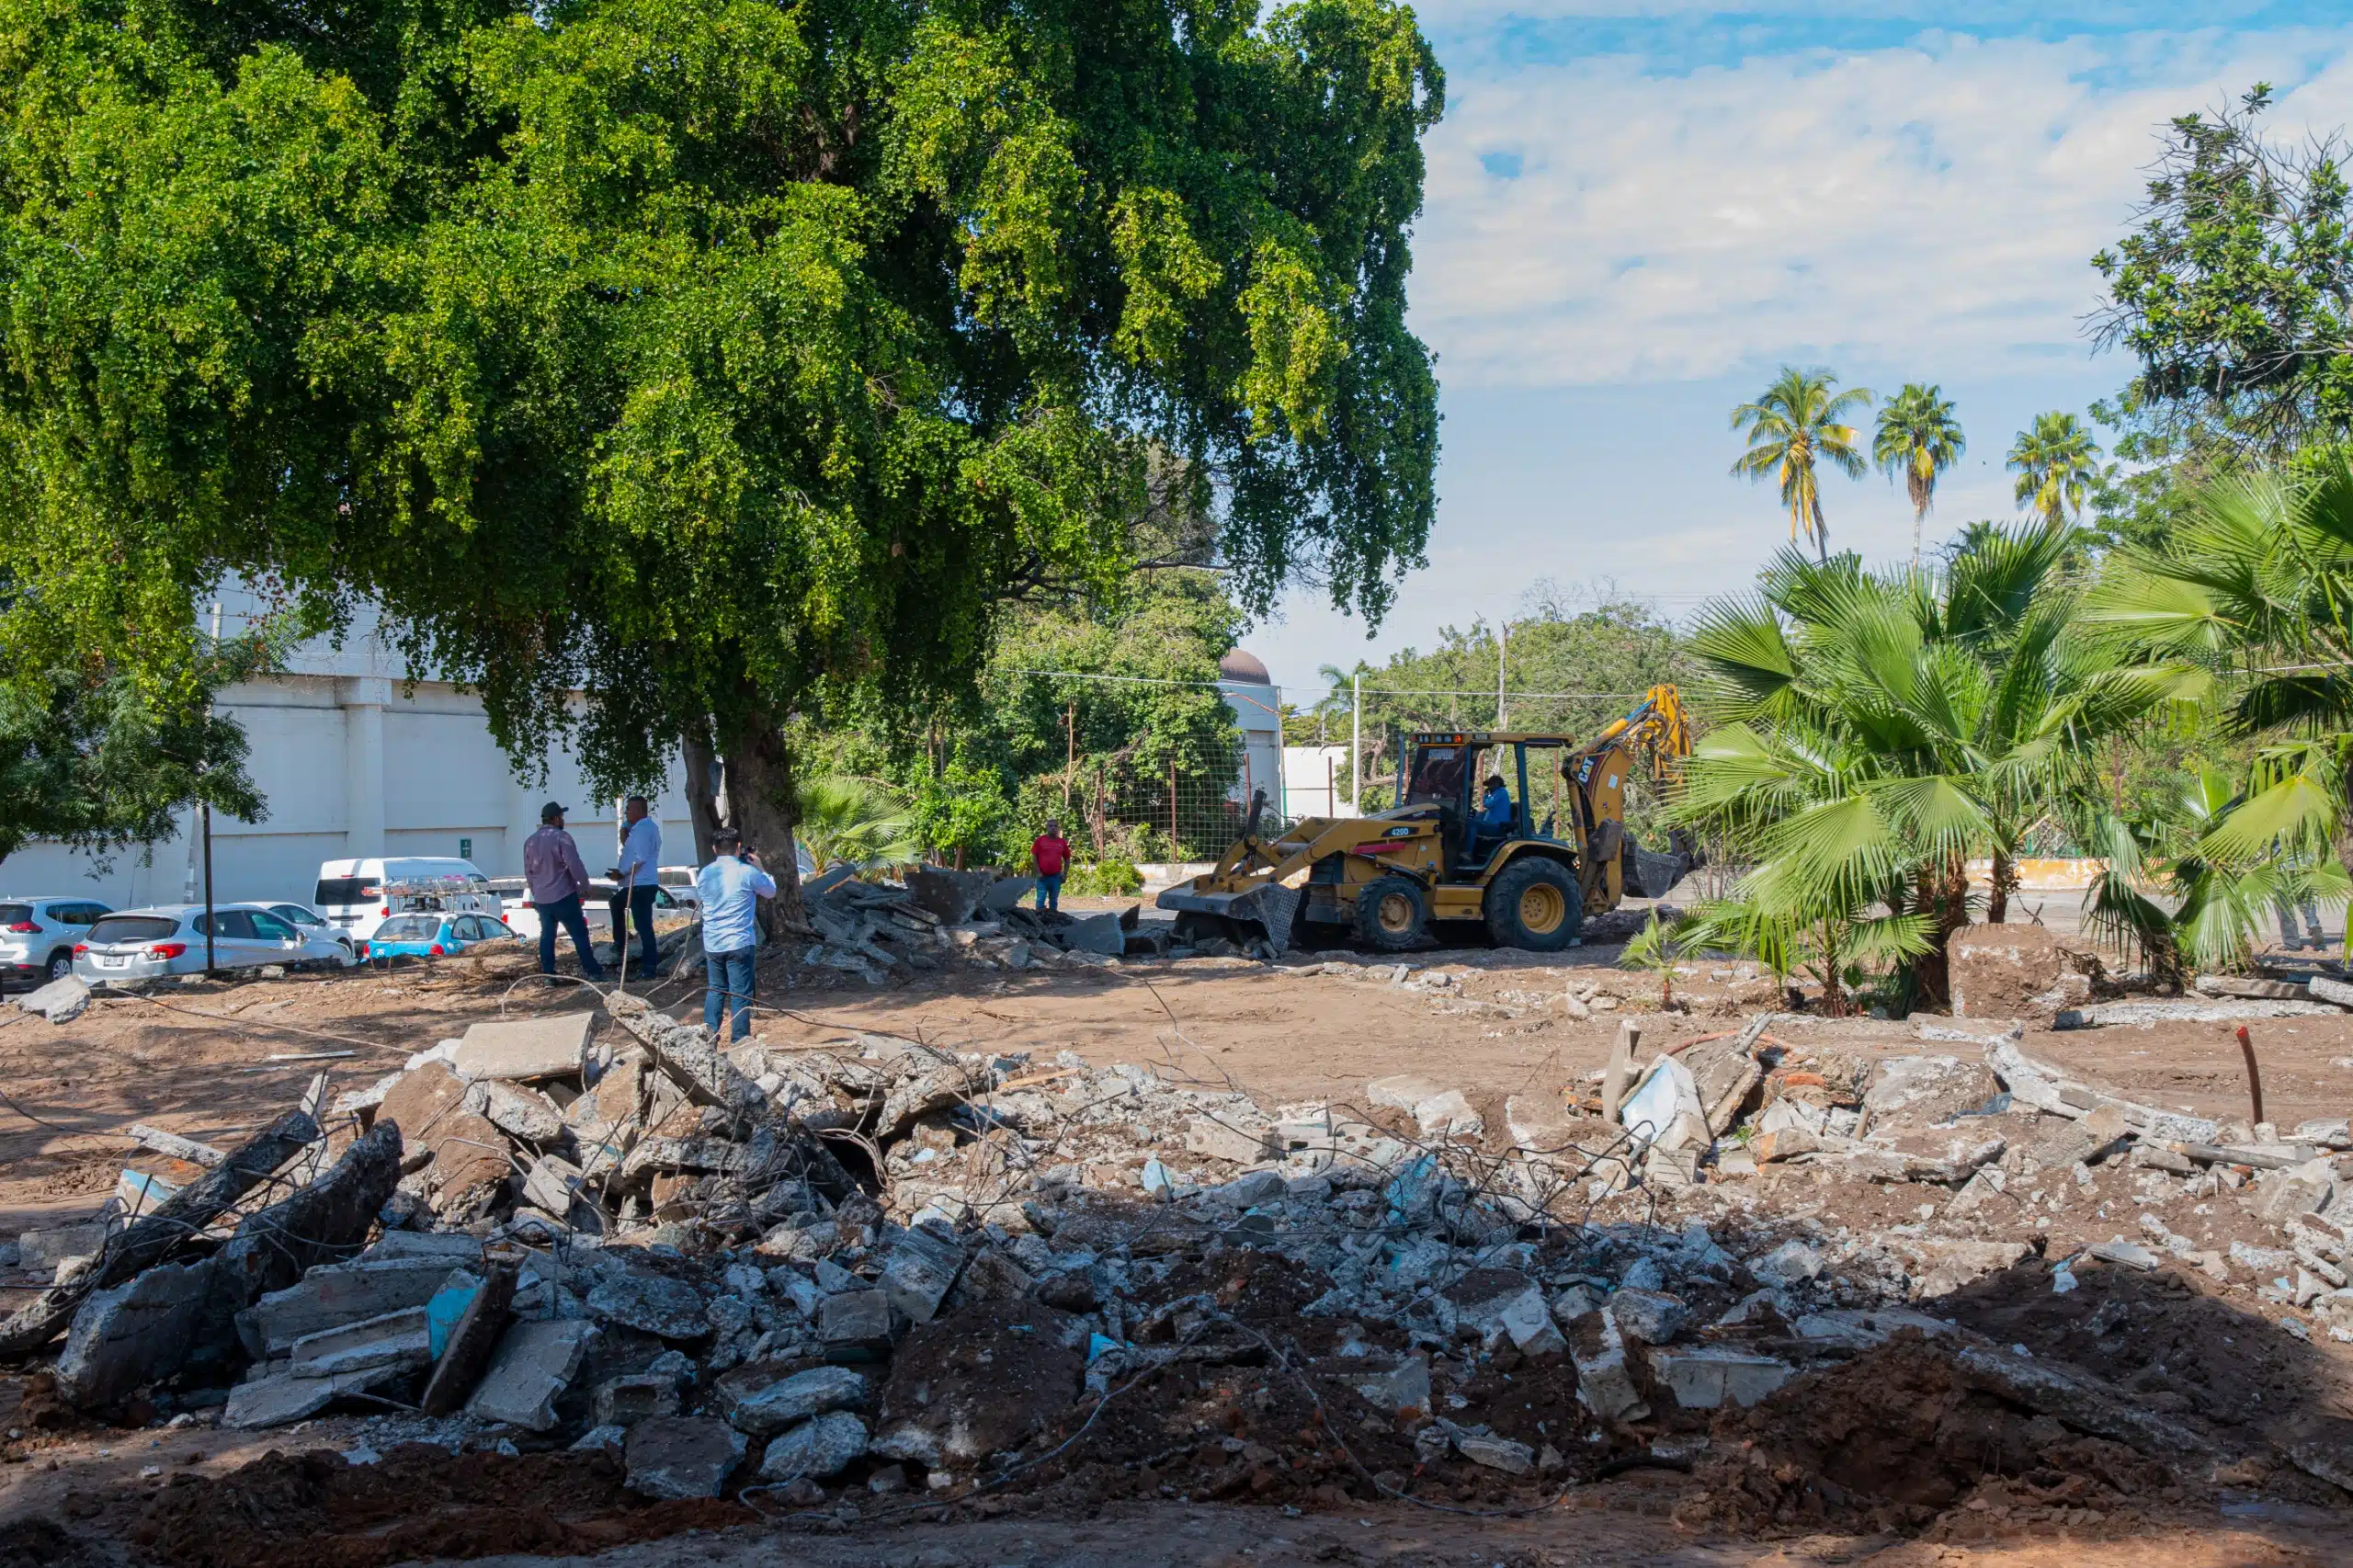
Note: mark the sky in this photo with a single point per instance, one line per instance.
(1636, 212)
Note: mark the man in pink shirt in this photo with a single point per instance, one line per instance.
(553, 869)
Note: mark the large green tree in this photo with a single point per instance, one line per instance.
(670, 368)
(2235, 289)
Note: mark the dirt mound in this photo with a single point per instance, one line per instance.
(1888, 1441)
(317, 1510)
(45, 1543)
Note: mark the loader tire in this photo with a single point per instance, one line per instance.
(1536, 905)
(1393, 914)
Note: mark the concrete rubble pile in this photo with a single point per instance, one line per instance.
(873, 930)
(885, 1265)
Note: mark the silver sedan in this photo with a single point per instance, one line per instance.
(169, 939)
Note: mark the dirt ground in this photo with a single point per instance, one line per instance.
(209, 1060)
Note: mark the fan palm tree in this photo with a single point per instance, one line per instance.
(1794, 426)
(1876, 731)
(2256, 582)
(843, 819)
(2054, 460)
(1918, 438)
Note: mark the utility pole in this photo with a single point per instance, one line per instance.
(205, 806)
(1503, 649)
(1355, 742)
(1069, 770)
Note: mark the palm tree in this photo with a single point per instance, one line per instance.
(1875, 731)
(1919, 439)
(2054, 461)
(844, 819)
(1792, 425)
(2256, 581)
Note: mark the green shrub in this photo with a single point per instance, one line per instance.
(1108, 877)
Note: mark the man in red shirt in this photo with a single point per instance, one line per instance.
(1050, 852)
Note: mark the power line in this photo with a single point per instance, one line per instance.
(1369, 691)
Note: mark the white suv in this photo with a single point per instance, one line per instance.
(37, 937)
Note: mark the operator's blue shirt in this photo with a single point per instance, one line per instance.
(1498, 812)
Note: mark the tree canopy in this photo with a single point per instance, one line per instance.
(2233, 290)
(710, 357)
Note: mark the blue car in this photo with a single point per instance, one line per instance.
(433, 935)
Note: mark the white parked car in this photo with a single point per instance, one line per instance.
(169, 939)
(311, 922)
(37, 937)
(356, 896)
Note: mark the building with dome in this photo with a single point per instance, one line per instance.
(1256, 704)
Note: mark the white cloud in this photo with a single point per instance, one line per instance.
(1937, 203)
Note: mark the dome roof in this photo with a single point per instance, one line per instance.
(1239, 665)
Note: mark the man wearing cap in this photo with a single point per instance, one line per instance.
(553, 869)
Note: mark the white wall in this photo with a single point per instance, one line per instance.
(352, 762)
(1312, 780)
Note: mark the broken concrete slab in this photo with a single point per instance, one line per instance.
(1402, 1394)
(342, 1293)
(1648, 1317)
(1605, 1379)
(552, 1184)
(1095, 934)
(2281, 1196)
(2075, 1399)
(952, 897)
(468, 1167)
(61, 1001)
(817, 1450)
(2253, 990)
(395, 1339)
(1227, 1137)
(47, 1249)
(650, 1303)
(280, 1400)
(765, 1411)
(852, 1316)
(1007, 892)
(919, 1271)
(1495, 1453)
(2108, 1013)
(1529, 1321)
(524, 1048)
(1711, 1378)
(641, 1396)
(2047, 1089)
(532, 1368)
(516, 1111)
(134, 1334)
(678, 1457)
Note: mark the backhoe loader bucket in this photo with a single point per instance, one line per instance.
(1261, 913)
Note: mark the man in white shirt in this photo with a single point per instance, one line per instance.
(729, 889)
(639, 877)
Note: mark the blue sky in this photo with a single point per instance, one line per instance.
(1636, 212)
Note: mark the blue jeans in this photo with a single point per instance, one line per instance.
(640, 907)
(729, 982)
(1049, 892)
(565, 912)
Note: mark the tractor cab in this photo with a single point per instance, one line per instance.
(1477, 824)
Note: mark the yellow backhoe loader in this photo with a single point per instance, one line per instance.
(1443, 854)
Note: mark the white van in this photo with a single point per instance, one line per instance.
(360, 895)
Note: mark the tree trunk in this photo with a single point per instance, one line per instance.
(1942, 890)
(760, 807)
(2006, 877)
(703, 803)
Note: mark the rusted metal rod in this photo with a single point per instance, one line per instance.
(2254, 1074)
